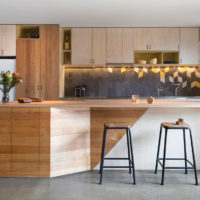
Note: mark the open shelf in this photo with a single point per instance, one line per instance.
(163, 57)
(147, 56)
(66, 46)
(28, 31)
(170, 57)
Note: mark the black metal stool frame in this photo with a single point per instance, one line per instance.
(130, 153)
(158, 160)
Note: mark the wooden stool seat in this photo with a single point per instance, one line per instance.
(174, 125)
(117, 125)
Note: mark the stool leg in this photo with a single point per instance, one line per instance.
(128, 146)
(158, 151)
(132, 157)
(102, 155)
(164, 157)
(185, 151)
(194, 162)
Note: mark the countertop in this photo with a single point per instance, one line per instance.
(174, 103)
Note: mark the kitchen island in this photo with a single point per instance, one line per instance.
(54, 138)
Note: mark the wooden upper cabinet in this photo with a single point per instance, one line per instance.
(141, 39)
(81, 46)
(189, 45)
(50, 61)
(8, 40)
(119, 45)
(114, 45)
(171, 39)
(148, 39)
(127, 45)
(28, 65)
(155, 38)
(99, 46)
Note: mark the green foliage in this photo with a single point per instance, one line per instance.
(8, 80)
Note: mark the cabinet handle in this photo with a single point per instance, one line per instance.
(181, 61)
(40, 87)
(147, 46)
(2, 51)
(150, 46)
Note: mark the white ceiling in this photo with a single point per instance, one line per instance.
(102, 13)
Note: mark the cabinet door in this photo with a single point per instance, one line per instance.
(155, 38)
(8, 38)
(141, 38)
(28, 65)
(50, 58)
(81, 46)
(127, 45)
(171, 39)
(5, 141)
(114, 45)
(99, 46)
(25, 141)
(189, 47)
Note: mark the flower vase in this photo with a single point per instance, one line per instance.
(5, 97)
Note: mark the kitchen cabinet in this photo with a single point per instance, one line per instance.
(38, 62)
(81, 46)
(99, 46)
(119, 45)
(28, 65)
(148, 39)
(50, 61)
(7, 40)
(189, 45)
(171, 39)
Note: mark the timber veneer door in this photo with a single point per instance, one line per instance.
(5, 142)
(28, 65)
(189, 45)
(50, 61)
(119, 45)
(81, 46)
(8, 40)
(25, 141)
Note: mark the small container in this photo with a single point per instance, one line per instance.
(78, 91)
(83, 90)
(150, 100)
(135, 98)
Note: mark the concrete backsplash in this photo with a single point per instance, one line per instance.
(125, 81)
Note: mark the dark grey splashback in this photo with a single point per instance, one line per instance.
(125, 81)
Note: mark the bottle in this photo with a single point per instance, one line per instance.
(66, 42)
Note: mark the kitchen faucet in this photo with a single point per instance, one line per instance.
(158, 92)
(176, 88)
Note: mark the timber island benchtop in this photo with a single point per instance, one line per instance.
(54, 138)
(108, 103)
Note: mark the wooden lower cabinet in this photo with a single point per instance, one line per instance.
(44, 141)
(5, 142)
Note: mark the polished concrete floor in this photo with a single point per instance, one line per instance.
(116, 185)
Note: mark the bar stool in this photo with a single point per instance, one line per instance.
(117, 126)
(167, 126)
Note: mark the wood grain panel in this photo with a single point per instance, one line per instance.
(8, 40)
(5, 141)
(99, 116)
(25, 141)
(50, 61)
(70, 140)
(44, 142)
(28, 65)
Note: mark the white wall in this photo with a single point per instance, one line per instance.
(5, 65)
(145, 138)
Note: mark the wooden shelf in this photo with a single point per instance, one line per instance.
(66, 46)
(28, 31)
(147, 55)
(163, 57)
